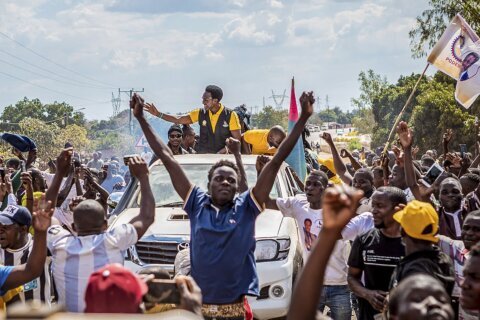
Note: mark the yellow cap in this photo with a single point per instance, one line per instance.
(419, 220)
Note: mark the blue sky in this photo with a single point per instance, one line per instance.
(174, 48)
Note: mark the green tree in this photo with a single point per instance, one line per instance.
(364, 121)
(433, 22)
(50, 113)
(270, 117)
(371, 86)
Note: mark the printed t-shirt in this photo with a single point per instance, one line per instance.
(222, 246)
(377, 255)
(37, 289)
(75, 258)
(259, 141)
(456, 250)
(309, 224)
(234, 121)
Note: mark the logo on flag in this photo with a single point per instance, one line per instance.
(457, 54)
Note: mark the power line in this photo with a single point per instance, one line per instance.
(47, 77)
(53, 62)
(52, 72)
(46, 88)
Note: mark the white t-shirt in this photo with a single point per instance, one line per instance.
(358, 225)
(75, 258)
(309, 223)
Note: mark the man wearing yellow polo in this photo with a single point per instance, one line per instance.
(217, 123)
(264, 141)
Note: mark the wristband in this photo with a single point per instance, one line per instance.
(160, 115)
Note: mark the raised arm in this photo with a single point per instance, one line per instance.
(183, 119)
(259, 165)
(36, 261)
(146, 216)
(179, 179)
(447, 137)
(338, 164)
(64, 161)
(27, 185)
(234, 147)
(344, 153)
(339, 206)
(405, 137)
(267, 176)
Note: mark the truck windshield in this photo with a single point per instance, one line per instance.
(165, 195)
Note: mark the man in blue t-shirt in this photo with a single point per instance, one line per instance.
(222, 223)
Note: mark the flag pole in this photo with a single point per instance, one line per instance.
(397, 120)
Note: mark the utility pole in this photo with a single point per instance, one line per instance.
(130, 92)
(279, 104)
(116, 102)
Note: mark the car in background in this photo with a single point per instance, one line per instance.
(278, 252)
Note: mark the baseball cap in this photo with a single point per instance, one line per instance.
(114, 289)
(419, 220)
(15, 214)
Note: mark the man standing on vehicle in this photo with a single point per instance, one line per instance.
(222, 224)
(217, 123)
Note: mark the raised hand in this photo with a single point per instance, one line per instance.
(447, 136)
(64, 160)
(138, 105)
(306, 101)
(415, 151)
(26, 179)
(327, 137)
(261, 162)
(150, 108)
(344, 153)
(339, 206)
(398, 155)
(75, 201)
(42, 214)
(233, 145)
(405, 135)
(138, 167)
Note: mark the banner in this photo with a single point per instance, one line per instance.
(296, 159)
(457, 53)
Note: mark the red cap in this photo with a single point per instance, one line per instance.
(114, 289)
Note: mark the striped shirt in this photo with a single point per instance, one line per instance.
(75, 258)
(38, 289)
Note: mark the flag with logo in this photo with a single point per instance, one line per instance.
(296, 159)
(457, 53)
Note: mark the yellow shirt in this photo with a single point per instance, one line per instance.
(258, 140)
(234, 122)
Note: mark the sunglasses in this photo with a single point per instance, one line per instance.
(173, 136)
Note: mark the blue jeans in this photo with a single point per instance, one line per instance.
(337, 299)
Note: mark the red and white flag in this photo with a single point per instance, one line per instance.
(457, 54)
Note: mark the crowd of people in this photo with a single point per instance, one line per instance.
(382, 235)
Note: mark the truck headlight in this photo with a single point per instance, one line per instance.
(272, 249)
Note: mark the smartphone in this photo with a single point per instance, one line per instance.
(463, 150)
(163, 291)
(22, 166)
(432, 175)
(126, 158)
(2, 174)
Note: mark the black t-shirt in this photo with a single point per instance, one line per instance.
(377, 255)
(432, 262)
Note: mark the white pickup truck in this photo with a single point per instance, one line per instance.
(278, 252)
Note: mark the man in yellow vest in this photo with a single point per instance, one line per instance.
(264, 141)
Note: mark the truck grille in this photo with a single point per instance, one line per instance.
(157, 252)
